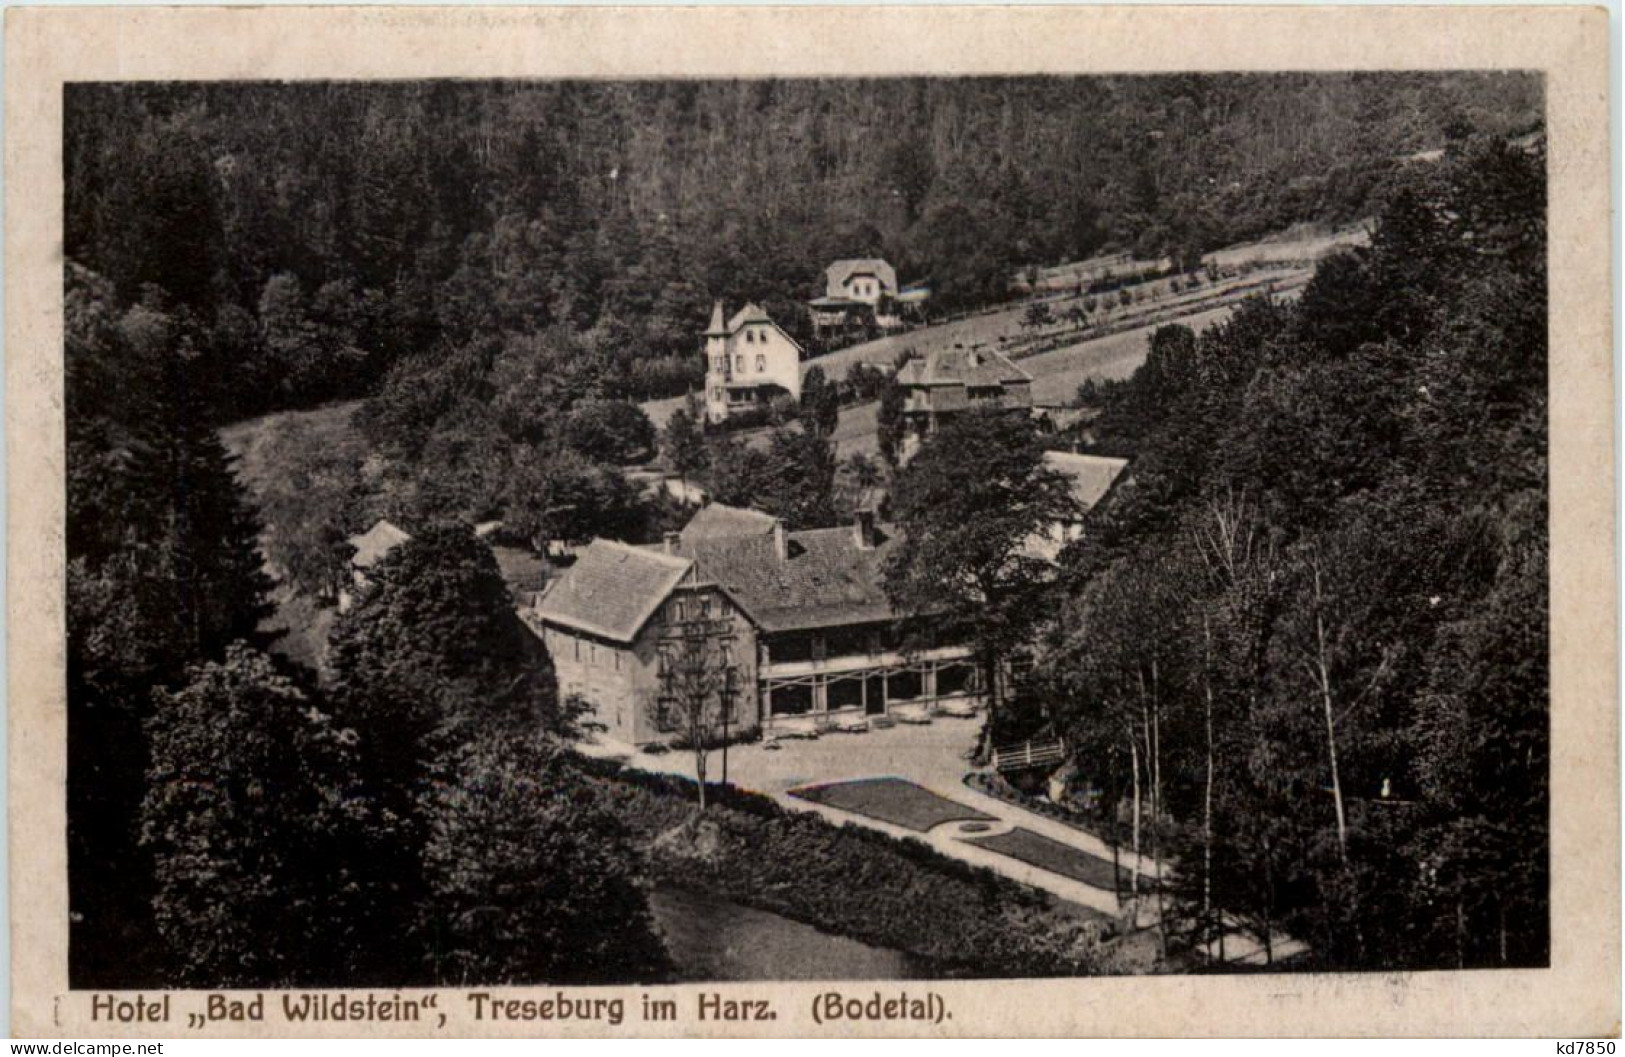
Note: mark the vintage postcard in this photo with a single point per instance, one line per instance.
(852, 521)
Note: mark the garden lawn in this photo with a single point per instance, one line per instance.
(892, 800)
(1035, 849)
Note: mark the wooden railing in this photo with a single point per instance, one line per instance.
(1027, 755)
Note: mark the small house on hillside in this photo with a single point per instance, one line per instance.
(865, 279)
(369, 548)
(749, 360)
(863, 290)
(947, 381)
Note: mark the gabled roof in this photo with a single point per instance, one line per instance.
(825, 580)
(525, 573)
(1092, 476)
(962, 367)
(720, 521)
(837, 274)
(612, 589)
(751, 313)
(372, 545)
(746, 316)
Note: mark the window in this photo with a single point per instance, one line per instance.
(739, 363)
(578, 648)
(792, 648)
(761, 362)
(705, 607)
(839, 642)
(956, 679)
(730, 691)
(790, 700)
(903, 685)
(844, 693)
(750, 335)
(677, 611)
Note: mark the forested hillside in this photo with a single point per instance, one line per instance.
(314, 234)
(1312, 631)
(1333, 545)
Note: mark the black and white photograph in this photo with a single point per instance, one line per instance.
(548, 532)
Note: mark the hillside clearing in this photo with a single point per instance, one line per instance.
(252, 440)
(1056, 375)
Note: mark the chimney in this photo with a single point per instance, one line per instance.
(672, 539)
(863, 529)
(781, 544)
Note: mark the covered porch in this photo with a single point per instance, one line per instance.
(855, 689)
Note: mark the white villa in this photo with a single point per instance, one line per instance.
(749, 360)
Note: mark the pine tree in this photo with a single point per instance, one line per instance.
(165, 572)
(820, 403)
(683, 444)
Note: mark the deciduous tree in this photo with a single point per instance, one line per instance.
(532, 880)
(250, 824)
(967, 504)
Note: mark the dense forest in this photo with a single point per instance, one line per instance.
(1311, 633)
(318, 233)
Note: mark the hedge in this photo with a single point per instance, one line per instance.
(959, 919)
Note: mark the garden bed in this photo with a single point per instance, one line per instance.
(1035, 849)
(891, 800)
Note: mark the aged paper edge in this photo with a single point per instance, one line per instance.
(1578, 995)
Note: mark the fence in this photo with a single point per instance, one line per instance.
(1028, 755)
